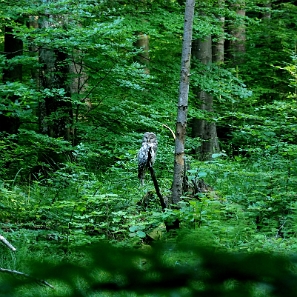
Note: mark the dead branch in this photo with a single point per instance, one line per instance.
(170, 130)
(7, 243)
(153, 176)
(39, 281)
(162, 201)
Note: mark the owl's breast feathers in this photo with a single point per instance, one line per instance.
(147, 154)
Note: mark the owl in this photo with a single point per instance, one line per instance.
(149, 140)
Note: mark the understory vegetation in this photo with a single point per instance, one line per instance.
(80, 84)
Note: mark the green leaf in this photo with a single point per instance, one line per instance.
(217, 155)
(202, 174)
(140, 234)
(133, 228)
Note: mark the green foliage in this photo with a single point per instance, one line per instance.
(61, 196)
(253, 203)
(184, 270)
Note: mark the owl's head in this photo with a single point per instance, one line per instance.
(149, 137)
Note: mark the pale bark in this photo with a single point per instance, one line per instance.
(219, 45)
(7, 243)
(267, 15)
(181, 122)
(239, 34)
(33, 279)
(205, 130)
(144, 57)
(143, 42)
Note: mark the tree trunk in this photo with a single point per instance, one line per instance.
(181, 122)
(144, 57)
(266, 18)
(78, 87)
(55, 111)
(33, 49)
(219, 45)
(205, 130)
(143, 39)
(13, 47)
(267, 15)
(238, 32)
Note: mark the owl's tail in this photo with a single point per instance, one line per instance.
(141, 173)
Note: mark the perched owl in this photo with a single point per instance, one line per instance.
(149, 140)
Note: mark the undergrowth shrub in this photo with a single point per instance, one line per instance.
(257, 197)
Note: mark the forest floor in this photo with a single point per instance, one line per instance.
(248, 206)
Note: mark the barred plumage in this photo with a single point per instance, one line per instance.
(149, 140)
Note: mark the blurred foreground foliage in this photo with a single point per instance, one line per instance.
(161, 270)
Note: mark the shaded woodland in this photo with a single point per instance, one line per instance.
(82, 81)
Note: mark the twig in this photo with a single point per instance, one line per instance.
(170, 130)
(6, 242)
(39, 281)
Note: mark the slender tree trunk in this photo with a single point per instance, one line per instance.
(219, 45)
(239, 34)
(78, 86)
(181, 122)
(144, 57)
(33, 49)
(205, 129)
(13, 47)
(267, 15)
(143, 39)
(55, 111)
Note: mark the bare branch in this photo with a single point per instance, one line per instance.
(7, 243)
(173, 134)
(39, 281)
(153, 176)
